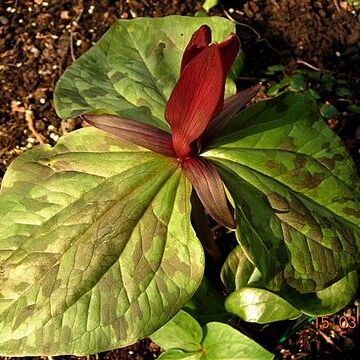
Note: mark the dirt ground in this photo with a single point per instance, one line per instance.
(39, 39)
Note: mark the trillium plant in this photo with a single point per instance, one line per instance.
(103, 235)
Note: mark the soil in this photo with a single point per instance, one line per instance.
(39, 39)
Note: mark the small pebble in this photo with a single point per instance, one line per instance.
(42, 101)
(343, 5)
(3, 20)
(91, 9)
(78, 42)
(51, 127)
(35, 51)
(54, 136)
(31, 140)
(337, 54)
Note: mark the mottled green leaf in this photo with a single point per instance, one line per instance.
(327, 301)
(96, 246)
(296, 194)
(237, 270)
(260, 305)
(133, 68)
(217, 341)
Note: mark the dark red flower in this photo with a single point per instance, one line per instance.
(196, 113)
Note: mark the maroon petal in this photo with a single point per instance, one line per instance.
(232, 106)
(200, 39)
(229, 49)
(134, 132)
(194, 99)
(209, 187)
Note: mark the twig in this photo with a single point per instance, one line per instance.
(312, 66)
(29, 117)
(336, 5)
(259, 38)
(72, 46)
(75, 23)
(242, 24)
(275, 3)
(328, 340)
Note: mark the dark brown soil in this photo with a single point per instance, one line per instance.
(39, 39)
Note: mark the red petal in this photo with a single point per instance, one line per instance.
(200, 39)
(194, 99)
(209, 187)
(134, 132)
(231, 107)
(229, 48)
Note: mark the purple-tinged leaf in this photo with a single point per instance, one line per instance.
(232, 106)
(135, 132)
(209, 187)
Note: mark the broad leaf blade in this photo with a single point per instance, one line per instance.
(221, 341)
(185, 333)
(96, 246)
(260, 306)
(327, 301)
(237, 270)
(217, 341)
(133, 68)
(295, 191)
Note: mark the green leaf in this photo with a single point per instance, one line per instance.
(354, 108)
(273, 69)
(96, 246)
(175, 354)
(343, 92)
(221, 341)
(314, 94)
(181, 332)
(297, 82)
(260, 305)
(329, 111)
(274, 90)
(237, 270)
(330, 300)
(217, 341)
(207, 304)
(240, 273)
(209, 4)
(133, 68)
(295, 190)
